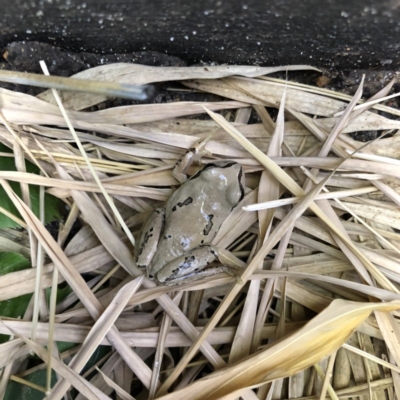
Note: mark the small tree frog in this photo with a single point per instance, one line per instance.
(175, 243)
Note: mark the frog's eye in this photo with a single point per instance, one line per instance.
(209, 174)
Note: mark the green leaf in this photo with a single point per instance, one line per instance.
(52, 204)
(97, 355)
(65, 346)
(19, 391)
(62, 293)
(11, 262)
(14, 308)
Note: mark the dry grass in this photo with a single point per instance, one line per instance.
(312, 315)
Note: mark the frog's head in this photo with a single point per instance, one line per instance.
(233, 178)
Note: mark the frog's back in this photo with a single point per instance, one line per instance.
(195, 212)
(193, 216)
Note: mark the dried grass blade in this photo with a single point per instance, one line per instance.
(6, 373)
(372, 291)
(382, 215)
(328, 195)
(161, 344)
(58, 82)
(322, 335)
(152, 112)
(121, 392)
(373, 157)
(144, 74)
(390, 332)
(269, 187)
(342, 122)
(326, 386)
(98, 331)
(223, 89)
(269, 289)
(367, 120)
(22, 144)
(388, 191)
(332, 163)
(141, 337)
(121, 189)
(40, 304)
(164, 328)
(299, 100)
(52, 346)
(19, 222)
(241, 344)
(371, 357)
(395, 378)
(74, 379)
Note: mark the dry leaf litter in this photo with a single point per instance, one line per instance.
(313, 314)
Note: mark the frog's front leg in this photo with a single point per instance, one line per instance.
(149, 237)
(191, 266)
(193, 155)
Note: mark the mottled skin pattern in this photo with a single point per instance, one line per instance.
(193, 216)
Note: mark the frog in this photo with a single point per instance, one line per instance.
(175, 244)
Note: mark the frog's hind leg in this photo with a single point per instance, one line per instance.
(192, 266)
(149, 237)
(218, 269)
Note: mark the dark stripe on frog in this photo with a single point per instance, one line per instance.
(212, 165)
(147, 236)
(188, 201)
(240, 184)
(209, 225)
